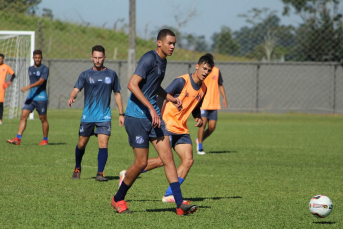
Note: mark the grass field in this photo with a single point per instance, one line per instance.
(261, 171)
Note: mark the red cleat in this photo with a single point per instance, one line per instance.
(120, 206)
(14, 141)
(185, 208)
(43, 143)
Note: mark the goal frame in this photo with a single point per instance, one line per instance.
(32, 46)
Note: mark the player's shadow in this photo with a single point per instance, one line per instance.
(213, 198)
(324, 222)
(58, 143)
(111, 177)
(169, 209)
(223, 151)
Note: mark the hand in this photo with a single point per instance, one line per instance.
(224, 104)
(121, 120)
(177, 103)
(25, 89)
(199, 122)
(70, 102)
(5, 85)
(155, 118)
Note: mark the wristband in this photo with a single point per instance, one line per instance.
(123, 114)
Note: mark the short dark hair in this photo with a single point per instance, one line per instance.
(98, 48)
(164, 33)
(209, 55)
(2, 55)
(37, 52)
(206, 59)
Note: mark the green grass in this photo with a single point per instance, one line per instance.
(260, 171)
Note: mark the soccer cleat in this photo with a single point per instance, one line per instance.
(185, 208)
(120, 206)
(0, 122)
(168, 199)
(43, 143)
(121, 176)
(76, 173)
(14, 141)
(201, 152)
(101, 177)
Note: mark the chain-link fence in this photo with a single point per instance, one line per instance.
(266, 66)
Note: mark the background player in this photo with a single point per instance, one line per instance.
(190, 89)
(143, 122)
(210, 106)
(4, 70)
(98, 82)
(36, 99)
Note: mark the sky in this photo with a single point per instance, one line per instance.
(210, 15)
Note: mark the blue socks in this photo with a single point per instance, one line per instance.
(169, 191)
(175, 187)
(78, 156)
(102, 159)
(19, 136)
(200, 146)
(45, 138)
(121, 192)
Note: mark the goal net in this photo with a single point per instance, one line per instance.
(17, 46)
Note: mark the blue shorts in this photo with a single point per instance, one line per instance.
(140, 131)
(41, 106)
(176, 139)
(87, 128)
(210, 114)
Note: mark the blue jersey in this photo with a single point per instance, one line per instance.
(98, 87)
(151, 67)
(38, 93)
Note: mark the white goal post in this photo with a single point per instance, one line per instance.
(17, 46)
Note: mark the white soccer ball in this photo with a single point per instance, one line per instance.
(321, 206)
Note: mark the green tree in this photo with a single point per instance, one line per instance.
(319, 37)
(223, 42)
(20, 6)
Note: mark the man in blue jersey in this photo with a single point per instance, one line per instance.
(98, 82)
(143, 122)
(36, 99)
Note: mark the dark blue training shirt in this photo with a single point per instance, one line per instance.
(38, 93)
(98, 87)
(151, 67)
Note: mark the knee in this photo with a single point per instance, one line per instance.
(43, 119)
(188, 162)
(211, 129)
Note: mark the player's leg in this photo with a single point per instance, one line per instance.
(41, 108)
(22, 125)
(201, 131)
(153, 163)
(183, 147)
(102, 156)
(1, 111)
(212, 121)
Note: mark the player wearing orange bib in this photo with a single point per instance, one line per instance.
(4, 70)
(190, 89)
(210, 106)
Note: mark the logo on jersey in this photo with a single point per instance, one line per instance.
(81, 129)
(214, 77)
(83, 116)
(108, 80)
(159, 71)
(186, 94)
(38, 73)
(139, 139)
(198, 97)
(3, 69)
(30, 73)
(107, 117)
(91, 80)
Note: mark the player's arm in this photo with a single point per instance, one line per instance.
(134, 88)
(164, 95)
(197, 113)
(118, 99)
(72, 96)
(10, 71)
(222, 90)
(36, 84)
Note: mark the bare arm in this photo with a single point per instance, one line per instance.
(118, 99)
(222, 92)
(134, 88)
(164, 95)
(36, 84)
(72, 96)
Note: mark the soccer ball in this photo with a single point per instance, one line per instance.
(320, 206)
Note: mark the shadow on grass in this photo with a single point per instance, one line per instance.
(58, 143)
(224, 151)
(110, 177)
(213, 198)
(170, 209)
(324, 222)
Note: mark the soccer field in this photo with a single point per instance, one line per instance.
(260, 171)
